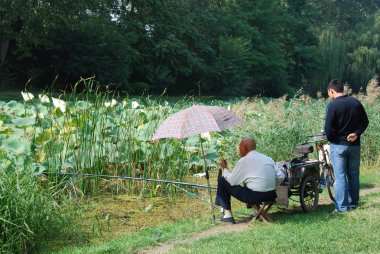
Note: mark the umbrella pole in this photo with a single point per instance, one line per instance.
(208, 181)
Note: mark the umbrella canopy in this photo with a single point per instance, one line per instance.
(196, 120)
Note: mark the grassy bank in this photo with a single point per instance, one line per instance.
(292, 231)
(99, 133)
(319, 232)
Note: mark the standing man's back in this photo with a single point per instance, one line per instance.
(345, 115)
(346, 120)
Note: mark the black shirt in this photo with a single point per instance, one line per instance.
(345, 115)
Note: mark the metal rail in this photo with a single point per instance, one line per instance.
(131, 178)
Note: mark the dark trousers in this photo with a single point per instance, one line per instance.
(243, 194)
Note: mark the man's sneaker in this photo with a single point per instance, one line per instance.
(336, 211)
(228, 220)
(352, 207)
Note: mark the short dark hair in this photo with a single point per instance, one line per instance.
(336, 86)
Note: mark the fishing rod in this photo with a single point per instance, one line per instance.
(131, 178)
(194, 195)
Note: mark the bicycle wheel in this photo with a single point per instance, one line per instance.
(330, 179)
(309, 194)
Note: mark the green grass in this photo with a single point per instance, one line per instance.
(143, 239)
(29, 213)
(295, 232)
(317, 232)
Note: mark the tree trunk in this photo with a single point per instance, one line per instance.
(4, 44)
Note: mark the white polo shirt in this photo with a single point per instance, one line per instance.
(257, 171)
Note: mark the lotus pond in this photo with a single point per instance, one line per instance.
(105, 135)
(94, 132)
(98, 132)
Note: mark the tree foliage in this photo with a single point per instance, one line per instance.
(241, 47)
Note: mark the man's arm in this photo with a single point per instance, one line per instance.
(364, 123)
(237, 175)
(329, 123)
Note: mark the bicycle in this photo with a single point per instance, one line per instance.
(303, 174)
(323, 155)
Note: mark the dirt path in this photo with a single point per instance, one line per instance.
(367, 191)
(222, 228)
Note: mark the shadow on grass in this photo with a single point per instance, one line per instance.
(324, 213)
(367, 185)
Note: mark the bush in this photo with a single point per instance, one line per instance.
(29, 215)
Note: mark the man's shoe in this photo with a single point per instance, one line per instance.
(336, 211)
(352, 207)
(228, 220)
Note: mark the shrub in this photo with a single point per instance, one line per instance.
(29, 215)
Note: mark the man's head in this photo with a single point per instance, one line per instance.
(246, 145)
(334, 89)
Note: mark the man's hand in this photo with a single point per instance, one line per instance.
(352, 137)
(223, 163)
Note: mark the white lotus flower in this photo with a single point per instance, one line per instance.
(39, 115)
(191, 149)
(43, 98)
(109, 104)
(135, 104)
(27, 96)
(59, 104)
(199, 175)
(124, 103)
(206, 135)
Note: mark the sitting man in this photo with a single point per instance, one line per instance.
(258, 174)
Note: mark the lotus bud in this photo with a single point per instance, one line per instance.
(59, 104)
(110, 104)
(135, 104)
(27, 96)
(43, 98)
(206, 135)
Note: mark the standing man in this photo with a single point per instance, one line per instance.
(258, 174)
(346, 120)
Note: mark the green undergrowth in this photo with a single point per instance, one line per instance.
(293, 231)
(317, 232)
(150, 237)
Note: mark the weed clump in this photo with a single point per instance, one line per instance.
(29, 215)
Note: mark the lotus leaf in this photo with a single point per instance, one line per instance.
(14, 104)
(2, 137)
(14, 131)
(192, 141)
(24, 121)
(166, 151)
(42, 109)
(37, 168)
(14, 145)
(211, 157)
(5, 119)
(83, 105)
(43, 137)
